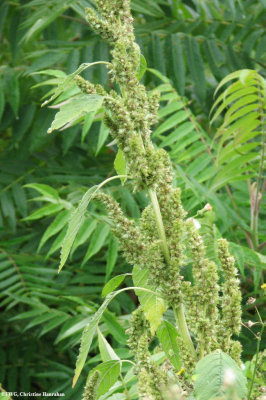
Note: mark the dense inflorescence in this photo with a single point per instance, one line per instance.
(163, 240)
(90, 391)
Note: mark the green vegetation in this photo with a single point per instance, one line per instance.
(110, 198)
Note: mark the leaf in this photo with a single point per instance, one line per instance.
(97, 241)
(196, 66)
(84, 233)
(113, 284)
(176, 62)
(210, 374)
(74, 225)
(90, 330)
(74, 109)
(50, 209)
(88, 121)
(120, 165)
(76, 221)
(168, 337)
(110, 371)
(12, 92)
(111, 257)
(57, 225)
(106, 351)
(142, 67)
(103, 134)
(153, 306)
(47, 191)
(41, 23)
(2, 99)
(170, 122)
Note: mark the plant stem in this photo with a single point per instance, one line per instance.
(178, 311)
(183, 329)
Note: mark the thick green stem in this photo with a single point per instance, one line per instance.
(183, 329)
(178, 311)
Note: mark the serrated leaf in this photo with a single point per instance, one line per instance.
(168, 337)
(211, 373)
(153, 306)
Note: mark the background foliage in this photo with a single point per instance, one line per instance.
(195, 44)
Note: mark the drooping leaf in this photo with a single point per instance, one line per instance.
(74, 109)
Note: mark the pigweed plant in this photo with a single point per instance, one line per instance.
(201, 353)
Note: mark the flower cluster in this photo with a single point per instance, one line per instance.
(90, 391)
(152, 379)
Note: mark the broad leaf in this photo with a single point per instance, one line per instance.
(212, 381)
(74, 109)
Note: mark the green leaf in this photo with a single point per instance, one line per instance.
(176, 65)
(74, 225)
(74, 109)
(12, 92)
(106, 351)
(196, 66)
(109, 371)
(142, 67)
(103, 134)
(112, 255)
(120, 165)
(90, 330)
(97, 241)
(46, 19)
(56, 226)
(2, 99)
(47, 191)
(212, 373)
(88, 121)
(84, 233)
(168, 337)
(50, 209)
(153, 306)
(113, 284)
(171, 122)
